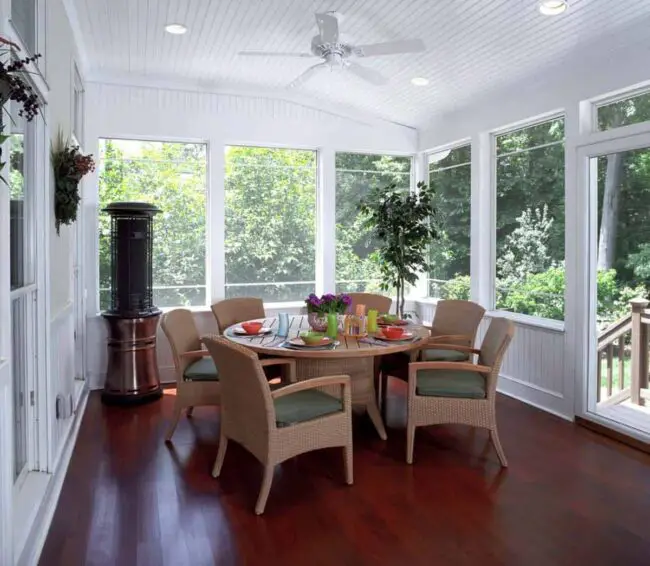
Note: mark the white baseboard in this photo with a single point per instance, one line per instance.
(546, 400)
(38, 533)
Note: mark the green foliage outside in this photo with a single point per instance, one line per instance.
(357, 261)
(171, 176)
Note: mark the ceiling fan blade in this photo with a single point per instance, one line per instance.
(273, 54)
(304, 77)
(370, 75)
(328, 26)
(390, 48)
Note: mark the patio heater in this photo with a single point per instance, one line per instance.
(132, 371)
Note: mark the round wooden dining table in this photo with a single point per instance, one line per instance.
(353, 356)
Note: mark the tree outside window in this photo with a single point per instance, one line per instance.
(173, 177)
(357, 266)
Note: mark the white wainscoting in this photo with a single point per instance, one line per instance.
(534, 369)
(62, 378)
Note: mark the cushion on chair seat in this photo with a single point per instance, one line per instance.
(446, 383)
(304, 406)
(444, 356)
(202, 369)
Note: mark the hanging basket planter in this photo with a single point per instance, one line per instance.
(69, 166)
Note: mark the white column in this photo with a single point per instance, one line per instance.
(483, 222)
(216, 221)
(326, 222)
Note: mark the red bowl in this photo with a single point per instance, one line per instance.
(392, 332)
(252, 327)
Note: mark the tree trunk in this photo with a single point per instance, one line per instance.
(609, 216)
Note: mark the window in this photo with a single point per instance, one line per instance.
(624, 112)
(357, 269)
(270, 233)
(78, 95)
(173, 177)
(450, 173)
(530, 220)
(23, 16)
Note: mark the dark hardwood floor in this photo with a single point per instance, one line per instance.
(569, 497)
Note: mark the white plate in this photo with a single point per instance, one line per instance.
(262, 332)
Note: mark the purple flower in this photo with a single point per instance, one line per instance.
(315, 301)
(346, 300)
(328, 297)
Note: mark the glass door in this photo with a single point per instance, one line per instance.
(23, 291)
(618, 390)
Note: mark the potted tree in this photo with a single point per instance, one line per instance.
(403, 224)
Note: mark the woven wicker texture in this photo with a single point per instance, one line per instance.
(180, 329)
(240, 309)
(248, 414)
(424, 411)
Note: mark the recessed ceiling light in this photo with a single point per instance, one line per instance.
(553, 7)
(175, 29)
(420, 81)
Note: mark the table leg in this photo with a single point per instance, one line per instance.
(375, 417)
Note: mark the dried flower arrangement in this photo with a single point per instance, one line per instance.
(14, 87)
(69, 166)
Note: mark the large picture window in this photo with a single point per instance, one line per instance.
(173, 177)
(530, 220)
(356, 173)
(270, 223)
(450, 174)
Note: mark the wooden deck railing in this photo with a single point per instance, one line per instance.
(626, 342)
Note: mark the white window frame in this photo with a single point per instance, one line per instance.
(209, 274)
(78, 106)
(321, 213)
(331, 235)
(464, 142)
(490, 292)
(598, 102)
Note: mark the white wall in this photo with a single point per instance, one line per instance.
(543, 363)
(25, 510)
(220, 119)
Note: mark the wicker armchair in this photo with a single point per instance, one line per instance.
(240, 309)
(459, 392)
(454, 322)
(275, 425)
(372, 301)
(197, 381)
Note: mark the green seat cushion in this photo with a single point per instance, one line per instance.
(202, 369)
(444, 356)
(445, 383)
(304, 406)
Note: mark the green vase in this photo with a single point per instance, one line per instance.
(332, 326)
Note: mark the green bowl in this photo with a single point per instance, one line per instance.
(312, 337)
(389, 317)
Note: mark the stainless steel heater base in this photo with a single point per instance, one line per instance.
(132, 373)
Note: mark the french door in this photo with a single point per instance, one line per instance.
(614, 189)
(23, 293)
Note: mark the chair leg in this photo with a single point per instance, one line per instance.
(174, 423)
(190, 412)
(265, 489)
(410, 441)
(221, 454)
(494, 437)
(347, 455)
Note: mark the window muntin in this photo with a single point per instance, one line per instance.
(357, 268)
(173, 176)
(270, 217)
(530, 220)
(450, 173)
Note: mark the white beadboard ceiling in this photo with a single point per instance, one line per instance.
(472, 45)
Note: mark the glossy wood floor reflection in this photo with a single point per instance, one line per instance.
(570, 497)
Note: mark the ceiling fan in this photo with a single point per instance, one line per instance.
(326, 45)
